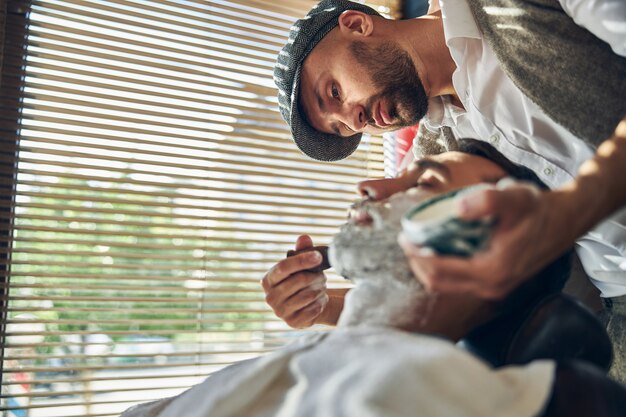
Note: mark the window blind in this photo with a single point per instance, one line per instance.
(156, 185)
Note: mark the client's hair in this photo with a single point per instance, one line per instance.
(485, 150)
(491, 339)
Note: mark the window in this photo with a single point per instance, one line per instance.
(156, 185)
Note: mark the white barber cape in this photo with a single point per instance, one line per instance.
(363, 372)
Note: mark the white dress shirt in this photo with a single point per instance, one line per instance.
(497, 111)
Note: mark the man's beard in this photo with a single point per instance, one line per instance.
(393, 73)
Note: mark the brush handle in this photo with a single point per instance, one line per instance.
(323, 250)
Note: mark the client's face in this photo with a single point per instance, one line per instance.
(366, 249)
(368, 241)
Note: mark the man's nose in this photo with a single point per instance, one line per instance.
(380, 189)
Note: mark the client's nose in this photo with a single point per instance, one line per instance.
(380, 189)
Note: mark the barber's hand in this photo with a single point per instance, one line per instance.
(531, 231)
(297, 297)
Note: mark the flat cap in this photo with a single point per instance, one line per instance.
(303, 36)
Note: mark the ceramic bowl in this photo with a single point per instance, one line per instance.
(434, 224)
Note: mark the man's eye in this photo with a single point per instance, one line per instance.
(335, 92)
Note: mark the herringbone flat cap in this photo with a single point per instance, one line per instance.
(303, 36)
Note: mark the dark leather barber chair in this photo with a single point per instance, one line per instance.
(538, 321)
(561, 328)
(557, 327)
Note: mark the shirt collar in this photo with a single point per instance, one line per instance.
(460, 31)
(458, 20)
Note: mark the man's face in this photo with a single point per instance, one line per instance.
(367, 252)
(349, 87)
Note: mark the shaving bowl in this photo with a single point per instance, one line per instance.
(434, 224)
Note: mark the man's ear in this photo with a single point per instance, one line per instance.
(355, 22)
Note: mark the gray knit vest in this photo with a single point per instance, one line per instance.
(573, 76)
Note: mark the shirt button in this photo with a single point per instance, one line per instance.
(548, 171)
(494, 138)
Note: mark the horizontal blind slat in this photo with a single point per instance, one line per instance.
(157, 184)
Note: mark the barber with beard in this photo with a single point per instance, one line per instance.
(544, 82)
